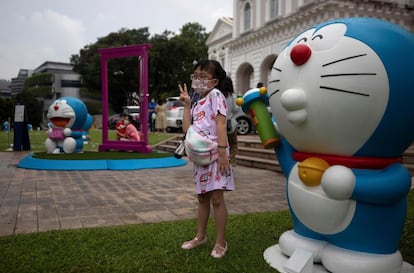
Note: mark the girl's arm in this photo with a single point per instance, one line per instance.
(223, 160)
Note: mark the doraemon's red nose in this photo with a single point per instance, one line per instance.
(56, 107)
(300, 54)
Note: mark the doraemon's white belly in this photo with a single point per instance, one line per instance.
(315, 209)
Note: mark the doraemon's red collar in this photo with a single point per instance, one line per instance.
(357, 162)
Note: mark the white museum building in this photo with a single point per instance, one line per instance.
(248, 43)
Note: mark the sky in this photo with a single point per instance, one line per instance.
(35, 31)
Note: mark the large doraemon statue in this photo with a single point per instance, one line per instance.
(69, 120)
(342, 94)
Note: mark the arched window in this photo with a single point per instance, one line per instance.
(247, 16)
(274, 8)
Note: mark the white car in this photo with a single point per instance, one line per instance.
(174, 113)
(244, 122)
(175, 110)
(134, 112)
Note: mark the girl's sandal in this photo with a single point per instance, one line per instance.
(193, 243)
(219, 251)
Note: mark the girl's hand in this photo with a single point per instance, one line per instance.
(223, 163)
(184, 96)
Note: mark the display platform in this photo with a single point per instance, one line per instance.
(29, 162)
(276, 259)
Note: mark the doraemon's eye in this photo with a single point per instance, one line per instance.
(303, 37)
(327, 36)
(303, 40)
(320, 37)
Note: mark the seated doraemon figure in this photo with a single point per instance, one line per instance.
(342, 94)
(70, 119)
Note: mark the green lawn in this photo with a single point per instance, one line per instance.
(153, 247)
(37, 139)
(156, 247)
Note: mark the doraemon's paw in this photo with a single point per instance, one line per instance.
(290, 241)
(50, 145)
(69, 145)
(339, 260)
(294, 101)
(67, 131)
(338, 182)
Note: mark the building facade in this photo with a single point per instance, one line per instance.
(61, 81)
(65, 82)
(17, 83)
(248, 44)
(5, 89)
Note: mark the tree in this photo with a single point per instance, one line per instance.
(121, 76)
(32, 105)
(7, 109)
(172, 56)
(170, 62)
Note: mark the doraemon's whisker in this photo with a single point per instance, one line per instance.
(345, 59)
(348, 74)
(274, 92)
(274, 81)
(342, 90)
(277, 69)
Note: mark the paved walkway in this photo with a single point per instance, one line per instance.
(38, 200)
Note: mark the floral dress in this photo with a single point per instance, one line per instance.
(208, 178)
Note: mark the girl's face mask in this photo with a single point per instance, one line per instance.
(201, 86)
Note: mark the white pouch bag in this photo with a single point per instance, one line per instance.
(200, 149)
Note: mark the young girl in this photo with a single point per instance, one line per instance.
(232, 109)
(208, 117)
(131, 132)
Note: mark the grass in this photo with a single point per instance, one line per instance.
(153, 247)
(88, 155)
(144, 248)
(156, 247)
(37, 139)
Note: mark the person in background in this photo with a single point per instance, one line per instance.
(5, 126)
(259, 84)
(120, 127)
(131, 132)
(228, 91)
(151, 113)
(208, 115)
(161, 119)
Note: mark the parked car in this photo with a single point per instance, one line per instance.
(174, 113)
(244, 122)
(128, 110)
(134, 112)
(175, 110)
(113, 120)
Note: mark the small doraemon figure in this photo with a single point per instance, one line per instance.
(69, 120)
(342, 94)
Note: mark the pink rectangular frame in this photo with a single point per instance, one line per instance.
(121, 52)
